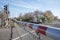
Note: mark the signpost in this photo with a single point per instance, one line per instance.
(0, 22)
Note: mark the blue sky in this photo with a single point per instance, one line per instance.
(22, 6)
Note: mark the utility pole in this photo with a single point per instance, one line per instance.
(6, 15)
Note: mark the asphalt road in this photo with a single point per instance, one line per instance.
(57, 25)
(20, 34)
(4, 34)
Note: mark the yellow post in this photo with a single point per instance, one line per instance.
(11, 23)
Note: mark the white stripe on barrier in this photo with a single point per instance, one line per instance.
(35, 27)
(53, 33)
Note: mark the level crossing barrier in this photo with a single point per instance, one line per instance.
(48, 31)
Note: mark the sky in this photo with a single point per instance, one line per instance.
(23, 6)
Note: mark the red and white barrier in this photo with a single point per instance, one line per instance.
(51, 32)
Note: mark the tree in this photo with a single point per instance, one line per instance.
(27, 17)
(49, 15)
(20, 15)
(42, 18)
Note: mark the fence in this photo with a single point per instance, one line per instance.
(48, 31)
(29, 35)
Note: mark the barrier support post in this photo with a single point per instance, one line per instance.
(39, 35)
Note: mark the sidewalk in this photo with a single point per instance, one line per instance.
(3, 29)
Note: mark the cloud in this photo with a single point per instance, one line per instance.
(50, 1)
(26, 5)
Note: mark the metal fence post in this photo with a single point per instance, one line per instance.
(39, 35)
(11, 34)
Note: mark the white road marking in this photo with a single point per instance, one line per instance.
(26, 34)
(16, 38)
(22, 35)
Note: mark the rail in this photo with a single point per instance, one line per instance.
(48, 31)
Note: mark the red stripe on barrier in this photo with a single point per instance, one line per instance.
(22, 23)
(42, 30)
(25, 24)
(30, 26)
